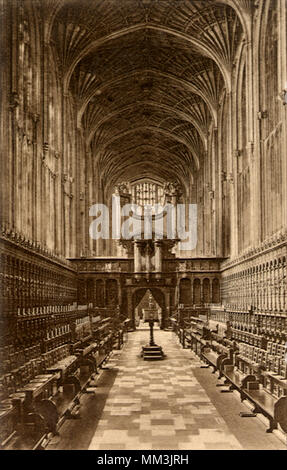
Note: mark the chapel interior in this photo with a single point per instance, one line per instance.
(180, 102)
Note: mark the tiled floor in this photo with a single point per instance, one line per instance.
(168, 404)
(159, 405)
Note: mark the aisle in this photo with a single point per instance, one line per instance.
(159, 405)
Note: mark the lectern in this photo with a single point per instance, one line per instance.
(151, 351)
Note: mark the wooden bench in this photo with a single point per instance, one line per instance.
(216, 355)
(196, 342)
(263, 403)
(274, 409)
(24, 403)
(237, 380)
(63, 403)
(41, 406)
(7, 419)
(38, 385)
(87, 356)
(248, 385)
(235, 377)
(63, 366)
(211, 358)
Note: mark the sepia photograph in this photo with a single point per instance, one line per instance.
(143, 228)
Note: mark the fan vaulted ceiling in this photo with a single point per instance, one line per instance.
(146, 76)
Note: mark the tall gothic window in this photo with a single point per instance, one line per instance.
(272, 181)
(147, 192)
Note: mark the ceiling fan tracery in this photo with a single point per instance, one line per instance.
(160, 65)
